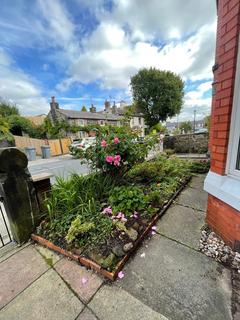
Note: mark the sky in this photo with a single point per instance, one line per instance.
(85, 51)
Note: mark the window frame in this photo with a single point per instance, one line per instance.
(234, 137)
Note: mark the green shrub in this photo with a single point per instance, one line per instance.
(160, 169)
(200, 166)
(146, 172)
(116, 153)
(78, 228)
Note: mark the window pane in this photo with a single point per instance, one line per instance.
(238, 157)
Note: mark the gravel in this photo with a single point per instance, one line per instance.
(213, 246)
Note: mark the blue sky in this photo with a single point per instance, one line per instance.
(85, 51)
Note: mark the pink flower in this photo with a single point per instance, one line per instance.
(121, 275)
(153, 233)
(117, 160)
(107, 211)
(116, 163)
(109, 159)
(84, 280)
(104, 143)
(154, 228)
(134, 215)
(116, 140)
(117, 157)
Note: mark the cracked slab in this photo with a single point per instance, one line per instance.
(193, 198)
(114, 303)
(48, 298)
(178, 282)
(182, 224)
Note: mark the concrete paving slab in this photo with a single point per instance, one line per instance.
(86, 315)
(112, 303)
(10, 249)
(48, 298)
(197, 181)
(182, 224)
(18, 272)
(179, 282)
(84, 282)
(193, 198)
(49, 256)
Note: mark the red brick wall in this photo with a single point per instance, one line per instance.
(224, 220)
(226, 57)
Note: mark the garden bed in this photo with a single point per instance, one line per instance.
(101, 218)
(95, 266)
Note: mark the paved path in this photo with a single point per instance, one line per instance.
(166, 279)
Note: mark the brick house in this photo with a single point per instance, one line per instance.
(223, 180)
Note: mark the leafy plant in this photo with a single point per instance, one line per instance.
(78, 228)
(200, 166)
(127, 199)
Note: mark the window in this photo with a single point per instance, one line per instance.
(233, 161)
(238, 157)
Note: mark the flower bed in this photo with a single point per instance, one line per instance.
(101, 218)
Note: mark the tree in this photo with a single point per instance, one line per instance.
(186, 126)
(157, 94)
(7, 109)
(84, 109)
(207, 121)
(159, 127)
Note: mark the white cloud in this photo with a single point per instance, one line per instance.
(110, 57)
(19, 88)
(195, 100)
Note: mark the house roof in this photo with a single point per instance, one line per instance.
(72, 114)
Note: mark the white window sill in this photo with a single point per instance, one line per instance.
(225, 188)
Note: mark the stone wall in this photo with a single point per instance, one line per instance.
(187, 143)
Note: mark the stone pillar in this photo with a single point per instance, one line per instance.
(16, 187)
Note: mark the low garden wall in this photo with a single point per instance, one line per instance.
(187, 143)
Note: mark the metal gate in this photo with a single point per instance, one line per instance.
(5, 234)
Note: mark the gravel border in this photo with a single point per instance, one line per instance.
(213, 246)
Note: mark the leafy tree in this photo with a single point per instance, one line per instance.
(186, 126)
(7, 109)
(19, 124)
(157, 94)
(84, 109)
(4, 130)
(207, 121)
(159, 127)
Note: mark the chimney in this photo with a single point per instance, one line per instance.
(114, 108)
(93, 109)
(53, 104)
(107, 105)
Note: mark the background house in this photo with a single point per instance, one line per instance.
(223, 180)
(110, 115)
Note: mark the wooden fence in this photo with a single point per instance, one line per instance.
(57, 146)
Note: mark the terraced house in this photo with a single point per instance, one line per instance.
(110, 115)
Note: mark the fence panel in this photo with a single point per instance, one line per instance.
(55, 147)
(23, 142)
(65, 144)
(58, 146)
